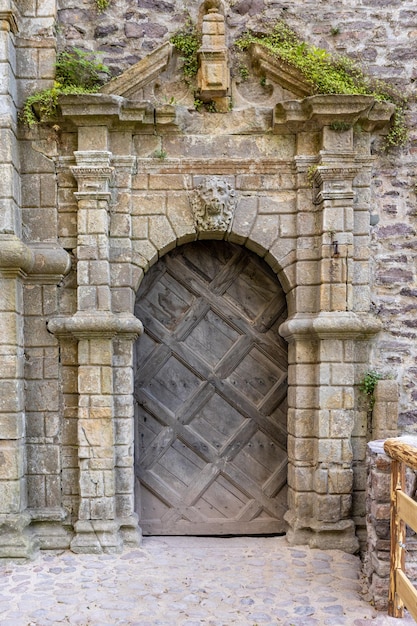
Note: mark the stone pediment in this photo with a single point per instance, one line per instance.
(158, 77)
(136, 78)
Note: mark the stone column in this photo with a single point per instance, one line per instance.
(15, 261)
(322, 335)
(96, 528)
(95, 326)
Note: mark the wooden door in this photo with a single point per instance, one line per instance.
(210, 388)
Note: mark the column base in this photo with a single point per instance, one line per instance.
(338, 535)
(16, 540)
(97, 537)
(130, 531)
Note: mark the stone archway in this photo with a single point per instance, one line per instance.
(210, 391)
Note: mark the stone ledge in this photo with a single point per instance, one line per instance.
(330, 325)
(96, 325)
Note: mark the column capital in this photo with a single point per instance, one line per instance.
(96, 325)
(329, 325)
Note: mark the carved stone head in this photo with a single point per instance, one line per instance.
(213, 203)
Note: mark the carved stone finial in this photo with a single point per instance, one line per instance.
(214, 74)
(213, 203)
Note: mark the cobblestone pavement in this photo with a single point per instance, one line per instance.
(171, 581)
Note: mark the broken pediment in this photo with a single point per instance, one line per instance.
(228, 81)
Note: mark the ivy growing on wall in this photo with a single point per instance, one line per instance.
(187, 41)
(328, 74)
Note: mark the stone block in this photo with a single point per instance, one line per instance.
(102, 509)
(265, 231)
(43, 459)
(124, 480)
(300, 449)
(96, 433)
(43, 395)
(40, 224)
(36, 491)
(180, 216)
(12, 425)
(123, 380)
(140, 227)
(161, 234)
(329, 451)
(307, 273)
(35, 425)
(53, 491)
(322, 423)
(302, 374)
(168, 181)
(89, 380)
(305, 225)
(123, 299)
(124, 431)
(327, 508)
(12, 459)
(341, 422)
(48, 190)
(140, 181)
(303, 397)
(340, 481)
(11, 396)
(150, 204)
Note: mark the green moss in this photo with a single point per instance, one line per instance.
(102, 5)
(77, 72)
(328, 74)
(187, 42)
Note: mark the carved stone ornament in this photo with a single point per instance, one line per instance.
(213, 203)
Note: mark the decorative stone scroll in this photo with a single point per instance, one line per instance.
(213, 203)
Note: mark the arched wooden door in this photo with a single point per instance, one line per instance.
(210, 388)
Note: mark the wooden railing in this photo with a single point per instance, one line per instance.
(403, 512)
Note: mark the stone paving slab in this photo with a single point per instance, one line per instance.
(190, 581)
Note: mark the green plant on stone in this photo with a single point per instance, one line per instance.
(243, 72)
(335, 30)
(311, 172)
(211, 106)
(160, 154)
(79, 68)
(340, 127)
(198, 104)
(328, 74)
(77, 72)
(102, 5)
(187, 42)
(368, 384)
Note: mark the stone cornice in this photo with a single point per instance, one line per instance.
(104, 325)
(330, 325)
(43, 263)
(8, 22)
(316, 112)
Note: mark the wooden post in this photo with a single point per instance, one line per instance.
(398, 530)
